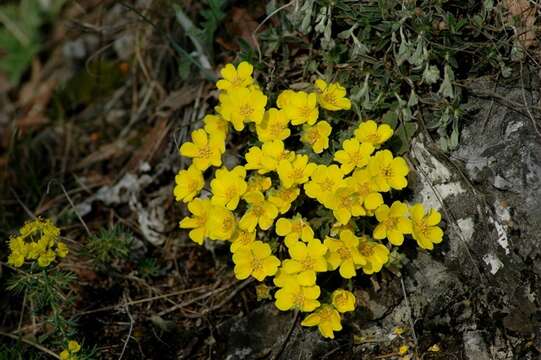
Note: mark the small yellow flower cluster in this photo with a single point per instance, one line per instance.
(37, 240)
(261, 193)
(71, 351)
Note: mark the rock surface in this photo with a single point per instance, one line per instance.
(477, 294)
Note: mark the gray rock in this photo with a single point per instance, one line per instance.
(477, 294)
(264, 334)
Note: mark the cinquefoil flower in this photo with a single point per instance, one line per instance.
(369, 132)
(188, 184)
(260, 211)
(354, 155)
(393, 223)
(324, 181)
(388, 172)
(294, 229)
(425, 231)
(317, 136)
(306, 260)
(332, 96)
(242, 106)
(300, 107)
(343, 300)
(295, 172)
(256, 260)
(274, 126)
(204, 150)
(344, 254)
(326, 318)
(233, 79)
(228, 187)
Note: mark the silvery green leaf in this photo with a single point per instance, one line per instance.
(416, 58)
(431, 75)
(347, 33)
(359, 48)
(443, 142)
(321, 20)
(404, 51)
(488, 5)
(446, 88)
(453, 139)
(413, 100)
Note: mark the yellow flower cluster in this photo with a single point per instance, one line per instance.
(71, 351)
(37, 240)
(261, 193)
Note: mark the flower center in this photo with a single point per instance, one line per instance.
(327, 184)
(305, 111)
(246, 110)
(329, 97)
(308, 263)
(365, 249)
(296, 227)
(231, 192)
(344, 253)
(387, 172)
(373, 138)
(312, 137)
(391, 222)
(325, 314)
(227, 224)
(244, 238)
(297, 174)
(204, 152)
(298, 299)
(275, 130)
(257, 264)
(340, 300)
(258, 210)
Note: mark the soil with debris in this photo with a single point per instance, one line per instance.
(104, 147)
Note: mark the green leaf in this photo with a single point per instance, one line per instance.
(405, 133)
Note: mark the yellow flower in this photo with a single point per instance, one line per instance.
(37, 240)
(62, 250)
(228, 187)
(274, 126)
(46, 258)
(292, 295)
(332, 96)
(425, 231)
(205, 150)
(306, 260)
(69, 353)
(300, 107)
(242, 106)
(345, 203)
(188, 184)
(234, 79)
(317, 136)
(283, 197)
(260, 211)
(255, 260)
(200, 209)
(343, 300)
(216, 126)
(376, 255)
(295, 172)
(403, 349)
(326, 318)
(65, 355)
(393, 223)
(267, 158)
(241, 239)
(388, 172)
(283, 99)
(294, 229)
(324, 181)
(259, 183)
(369, 132)
(73, 346)
(221, 223)
(343, 254)
(354, 154)
(362, 182)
